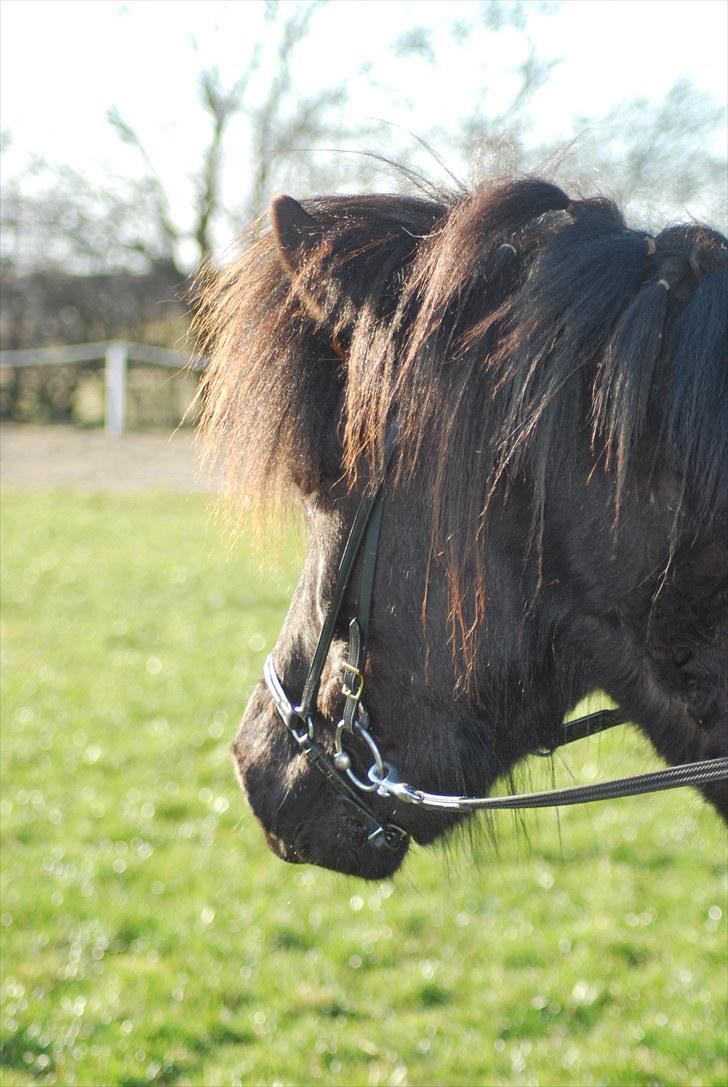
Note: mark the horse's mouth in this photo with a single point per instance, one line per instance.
(308, 824)
(350, 854)
(282, 849)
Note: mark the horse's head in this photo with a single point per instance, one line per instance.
(356, 311)
(328, 283)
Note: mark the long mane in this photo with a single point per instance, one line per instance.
(516, 334)
(272, 392)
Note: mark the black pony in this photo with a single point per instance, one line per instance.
(556, 507)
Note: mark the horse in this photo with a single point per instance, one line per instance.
(514, 406)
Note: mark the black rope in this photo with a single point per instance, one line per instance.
(674, 777)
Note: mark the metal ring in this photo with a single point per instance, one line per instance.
(378, 765)
(339, 748)
(366, 735)
(544, 752)
(388, 779)
(309, 722)
(377, 778)
(303, 739)
(359, 783)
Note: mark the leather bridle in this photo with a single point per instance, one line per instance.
(382, 777)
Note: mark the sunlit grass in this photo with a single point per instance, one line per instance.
(149, 937)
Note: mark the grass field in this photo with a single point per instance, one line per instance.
(150, 938)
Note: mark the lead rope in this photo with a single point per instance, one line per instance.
(673, 777)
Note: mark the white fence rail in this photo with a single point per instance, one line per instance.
(116, 355)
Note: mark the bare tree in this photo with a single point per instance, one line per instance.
(280, 126)
(652, 157)
(52, 215)
(485, 136)
(658, 160)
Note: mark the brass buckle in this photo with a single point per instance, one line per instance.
(356, 675)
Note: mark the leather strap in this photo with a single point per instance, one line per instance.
(579, 728)
(367, 522)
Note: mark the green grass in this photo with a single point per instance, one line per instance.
(149, 937)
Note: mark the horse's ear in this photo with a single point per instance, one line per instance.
(296, 235)
(295, 231)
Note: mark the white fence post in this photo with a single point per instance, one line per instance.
(116, 358)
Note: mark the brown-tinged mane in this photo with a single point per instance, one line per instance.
(273, 390)
(518, 336)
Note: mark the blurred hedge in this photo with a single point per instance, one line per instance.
(52, 308)
(155, 396)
